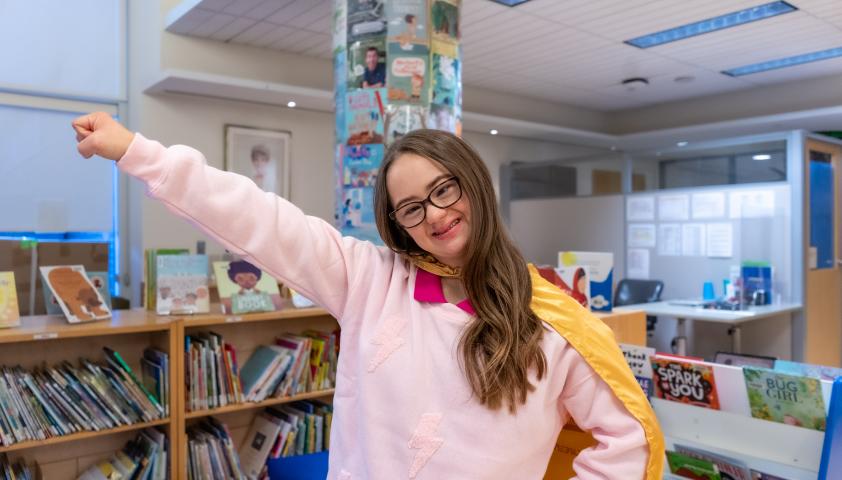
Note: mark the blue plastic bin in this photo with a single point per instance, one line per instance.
(300, 467)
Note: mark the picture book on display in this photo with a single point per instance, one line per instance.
(150, 273)
(729, 468)
(784, 398)
(182, 284)
(245, 288)
(744, 360)
(691, 467)
(76, 295)
(98, 279)
(9, 311)
(600, 269)
(571, 280)
(365, 109)
(639, 360)
(684, 380)
(821, 372)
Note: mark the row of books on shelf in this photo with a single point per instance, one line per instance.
(294, 364)
(65, 399)
(298, 428)
(18, 470)
(177, 282)
(782, 391)
(146, 457)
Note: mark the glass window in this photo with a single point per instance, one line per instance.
(73, 48)
(50, 186)
(731, 165)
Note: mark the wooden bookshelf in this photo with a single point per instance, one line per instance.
(83, 435)
(261, 328)
(49, 340)
(209, 320)
(265, 403)
(54, 327)
(129, 332)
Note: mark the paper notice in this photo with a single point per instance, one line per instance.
(640, 209)
(673, 207)
(709, 205)
(693, 239)
(637, 263)
(720, 240)
(641, 235)
(751, 204)
(669, 239)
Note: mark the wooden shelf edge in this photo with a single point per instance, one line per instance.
(82, 436)
(205, 320)
(265, 403)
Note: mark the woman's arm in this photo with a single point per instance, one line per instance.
(304, 252)
(622, 450)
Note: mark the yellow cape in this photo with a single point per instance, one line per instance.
(595, 343)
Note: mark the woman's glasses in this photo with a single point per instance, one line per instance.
(442, 195)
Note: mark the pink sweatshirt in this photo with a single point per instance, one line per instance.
(403, 408)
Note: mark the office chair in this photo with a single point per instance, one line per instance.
(631, 291)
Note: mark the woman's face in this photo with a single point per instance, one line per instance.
(444, 233)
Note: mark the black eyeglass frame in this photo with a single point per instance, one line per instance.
(424, 202)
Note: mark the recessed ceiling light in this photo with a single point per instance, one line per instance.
(761, 157)
(510, 3)
(291, 104)
(784, 62)
(493, 131)
(712, 24)
(682, 144)
(684, 79)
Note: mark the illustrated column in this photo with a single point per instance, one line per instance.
(397, 68)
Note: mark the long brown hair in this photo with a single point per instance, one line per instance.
(502, 343)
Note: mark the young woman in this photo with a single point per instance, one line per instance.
(458, 360)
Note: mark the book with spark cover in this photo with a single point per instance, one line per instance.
(685, 380)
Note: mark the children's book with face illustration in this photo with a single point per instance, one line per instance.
(78, 298)
(245, 288)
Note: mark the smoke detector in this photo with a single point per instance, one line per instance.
(635, 83)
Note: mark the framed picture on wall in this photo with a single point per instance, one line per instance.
(261, 155)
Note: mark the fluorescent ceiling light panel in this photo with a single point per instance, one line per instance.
(510, 3)
(784, 62)
(728, 20)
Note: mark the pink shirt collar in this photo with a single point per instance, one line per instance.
(428, 289)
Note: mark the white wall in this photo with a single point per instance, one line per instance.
(498, 150)
(542, 228)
